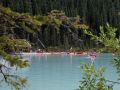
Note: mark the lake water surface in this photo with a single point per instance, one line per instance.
(61, 72)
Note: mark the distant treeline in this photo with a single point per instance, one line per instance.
(92, 12)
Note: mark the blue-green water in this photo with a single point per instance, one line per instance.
(61, 72)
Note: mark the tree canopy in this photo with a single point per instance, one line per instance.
(92, 12)
(7, 61)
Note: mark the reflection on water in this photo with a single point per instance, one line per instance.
(60, 72)
(71, 59)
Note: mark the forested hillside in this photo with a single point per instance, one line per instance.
(54, 30)
(92, 12)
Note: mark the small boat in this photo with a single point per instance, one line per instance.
(81, 53)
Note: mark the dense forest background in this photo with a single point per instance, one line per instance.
(92, 12)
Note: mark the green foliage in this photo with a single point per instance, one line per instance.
(75, 22)
(52, 17)
(53, 29)
(55, 16)
(92, 12)
(15, 81)
(41, 19)
(106, 38)
(9, 23)
(26, 28)
(8, 45)
(116, 64)
(93, 79)
(80, 26)
(12, 20)
(110, 42)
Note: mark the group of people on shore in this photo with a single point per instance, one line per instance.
(91, 55)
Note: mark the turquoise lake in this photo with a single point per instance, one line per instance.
(61, 72)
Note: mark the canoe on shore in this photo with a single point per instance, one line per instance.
(81, 53)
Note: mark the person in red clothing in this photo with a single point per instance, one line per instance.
(93, 57)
